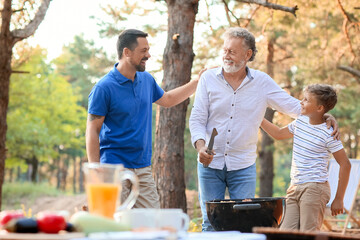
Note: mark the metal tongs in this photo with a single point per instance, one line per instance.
(211, 144)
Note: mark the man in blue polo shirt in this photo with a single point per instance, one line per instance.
(120, 113)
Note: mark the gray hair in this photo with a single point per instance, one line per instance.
(249, 39)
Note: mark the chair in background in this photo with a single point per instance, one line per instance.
(349, 198)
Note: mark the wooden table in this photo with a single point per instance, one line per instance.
(39, 236)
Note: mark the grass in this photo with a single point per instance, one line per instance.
(15, 194)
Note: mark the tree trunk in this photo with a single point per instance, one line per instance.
(81, 175)
(64, 172)
(34, 169)
(170, 122)
(349, 143)
(5, 72)
(74, 175)
(18, 174)
(7, 41)
(266, 158)
(58, 173)
(356, 145)
(11, 175)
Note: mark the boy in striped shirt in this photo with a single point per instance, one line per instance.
(309, 191)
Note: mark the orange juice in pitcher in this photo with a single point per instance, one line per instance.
(102, 198)
(103, 183)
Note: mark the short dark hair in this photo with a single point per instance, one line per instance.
(324, 94)
(128, 39)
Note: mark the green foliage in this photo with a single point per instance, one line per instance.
(347, 114)
(281, 180)
(129, 12)
(43, 115)
(190, 155)
(81, 64)
(14, 194)
(190, 161)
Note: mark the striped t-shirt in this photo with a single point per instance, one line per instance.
(312, 147)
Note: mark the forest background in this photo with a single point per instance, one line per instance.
(47, 109)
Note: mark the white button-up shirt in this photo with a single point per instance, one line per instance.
(236, 115)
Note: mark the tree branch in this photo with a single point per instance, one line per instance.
(344, 13)
(267, 4)
(350, 70)
(227, 9)
(208, 15)
(252, 15)
(345, 29)
(21, 72)
(27, 31)
(266, 23)
(175, 38)
(284, 58)
(18, 10)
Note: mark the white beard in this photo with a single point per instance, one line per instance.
(232, 68)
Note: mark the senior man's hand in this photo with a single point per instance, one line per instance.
(204, 157)
(331, 122)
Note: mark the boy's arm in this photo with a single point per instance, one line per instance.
(338, 204)
(274, 131)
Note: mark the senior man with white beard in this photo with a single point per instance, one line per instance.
(233, 99)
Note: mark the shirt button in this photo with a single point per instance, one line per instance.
(225, 154)
(228, 130)
(234, 92)
(230, 117)
(228, 142)
(232, 104)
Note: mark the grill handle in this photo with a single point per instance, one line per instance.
(251, 206)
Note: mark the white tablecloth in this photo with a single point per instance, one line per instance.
(164, 235)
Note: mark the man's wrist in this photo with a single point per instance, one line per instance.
(197, 142)
(328, 116)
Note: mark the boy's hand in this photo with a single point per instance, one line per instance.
(337, 207)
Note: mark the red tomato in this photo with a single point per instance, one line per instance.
(6, 216)
(50, 222)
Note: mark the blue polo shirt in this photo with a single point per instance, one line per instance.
(126, 135)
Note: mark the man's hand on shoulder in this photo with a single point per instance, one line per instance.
(199, 76)
(331, 122)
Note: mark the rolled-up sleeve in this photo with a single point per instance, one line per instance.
(200, 112)
(280, 100)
